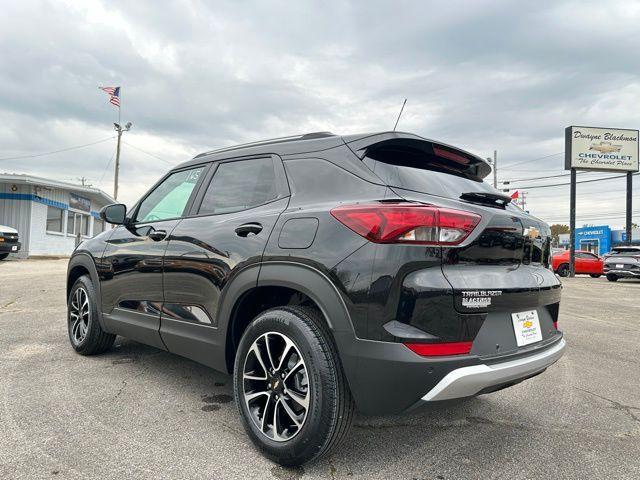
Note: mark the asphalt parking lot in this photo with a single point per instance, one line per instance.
(138, 412)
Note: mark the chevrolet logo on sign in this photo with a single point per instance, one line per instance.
(605, 147)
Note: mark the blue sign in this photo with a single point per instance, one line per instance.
(594, 239)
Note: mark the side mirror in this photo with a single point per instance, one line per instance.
(115, 213)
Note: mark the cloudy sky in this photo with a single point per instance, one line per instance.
(198, 75)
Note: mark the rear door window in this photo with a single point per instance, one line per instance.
(240, 185)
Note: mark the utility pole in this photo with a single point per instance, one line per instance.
(494, 166)
(495, 169)
(83, 181)
(118, 128)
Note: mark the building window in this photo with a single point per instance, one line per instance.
(98, 226)
(55, 218)
(84, 225)
(71, 223)
(77, 223)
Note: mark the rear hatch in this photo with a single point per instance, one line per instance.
(502, 267)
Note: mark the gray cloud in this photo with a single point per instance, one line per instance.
(197, 75)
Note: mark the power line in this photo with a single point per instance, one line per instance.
(148, 153)
(20, 157)
(107, 167)
(506, 182)
(507, 167)
(583, 181)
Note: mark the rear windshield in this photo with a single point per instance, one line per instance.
(417, 174)
(625, 251)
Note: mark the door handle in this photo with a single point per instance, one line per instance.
(247, 228)
(157, 235)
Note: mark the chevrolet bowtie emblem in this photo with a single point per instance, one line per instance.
(532, 232)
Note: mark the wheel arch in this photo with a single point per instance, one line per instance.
(83, 264)
(281, 283)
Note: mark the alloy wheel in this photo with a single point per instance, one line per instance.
(276, 386)
(79, 315)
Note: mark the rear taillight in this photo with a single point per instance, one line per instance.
(407, 223)
(439, 349)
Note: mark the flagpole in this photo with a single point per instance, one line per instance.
(117, 93)
(119, 130)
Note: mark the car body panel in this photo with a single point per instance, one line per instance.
(585, 262)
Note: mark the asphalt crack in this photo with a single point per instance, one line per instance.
(627, 409)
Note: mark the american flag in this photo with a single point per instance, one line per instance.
(114, 95)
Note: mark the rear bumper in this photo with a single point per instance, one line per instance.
(388, 378)
(471, 380)
(622, 273)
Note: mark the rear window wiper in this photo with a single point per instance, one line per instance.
(486, 198)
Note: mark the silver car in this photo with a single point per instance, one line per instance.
(622, 262)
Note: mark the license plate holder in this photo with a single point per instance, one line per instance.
(526, 327)
(14, 248)
(619, 265)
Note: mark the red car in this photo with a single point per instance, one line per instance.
(586, 262)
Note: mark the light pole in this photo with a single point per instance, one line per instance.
(118, 128)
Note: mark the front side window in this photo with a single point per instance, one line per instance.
(170, 198)
(55, 218)
(240, 185)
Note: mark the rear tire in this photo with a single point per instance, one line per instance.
(595, 275)
(611, 277)
(563, 270)
(3, 256)
(85, 333)
(322, 387)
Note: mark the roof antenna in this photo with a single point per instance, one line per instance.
(400, 114)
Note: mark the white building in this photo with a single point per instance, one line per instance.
(49, 214)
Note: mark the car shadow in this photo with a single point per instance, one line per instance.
(461, 424)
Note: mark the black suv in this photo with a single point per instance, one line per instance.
(327, 273)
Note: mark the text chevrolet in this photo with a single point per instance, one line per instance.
(326, 273)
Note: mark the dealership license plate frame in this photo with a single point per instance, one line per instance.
(526, 327)
(14, 248)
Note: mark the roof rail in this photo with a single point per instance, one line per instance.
(309, 136)
(292, 138)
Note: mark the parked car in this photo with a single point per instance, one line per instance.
(586, 263)
(326, 273)
(622, 262)
(9, 241)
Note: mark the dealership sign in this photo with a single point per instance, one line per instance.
(590, 148)
(79, 203)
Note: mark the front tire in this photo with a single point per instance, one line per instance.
(290, 389)
(563, 270)
(85, 333)
(611, 277)
(3, 256)
(595, 275)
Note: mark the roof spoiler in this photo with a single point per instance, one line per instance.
(446, 156)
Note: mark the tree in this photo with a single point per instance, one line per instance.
(556, 230)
